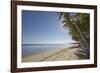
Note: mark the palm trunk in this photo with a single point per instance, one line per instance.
(81, 34)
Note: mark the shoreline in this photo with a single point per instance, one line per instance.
(58, 54)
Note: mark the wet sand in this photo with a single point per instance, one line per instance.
(53, 55)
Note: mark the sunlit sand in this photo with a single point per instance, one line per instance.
(53, 55)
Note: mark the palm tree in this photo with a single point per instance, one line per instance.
(78, 26)
(67, 23)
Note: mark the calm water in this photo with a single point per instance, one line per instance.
(37, 48)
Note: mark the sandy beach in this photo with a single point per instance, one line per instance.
(53, 55)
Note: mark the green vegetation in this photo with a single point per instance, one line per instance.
(78, 26)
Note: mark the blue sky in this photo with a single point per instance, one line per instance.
(42, 27)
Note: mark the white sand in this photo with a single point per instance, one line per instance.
(53, 55)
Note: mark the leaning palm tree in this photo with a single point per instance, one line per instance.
(78, 26)
(72, 30)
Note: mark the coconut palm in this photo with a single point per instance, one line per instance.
(78, 26)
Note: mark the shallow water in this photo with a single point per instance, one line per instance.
(37, 48)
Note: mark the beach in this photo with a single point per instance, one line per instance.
(59, 54)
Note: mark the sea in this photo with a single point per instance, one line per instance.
(28, 49)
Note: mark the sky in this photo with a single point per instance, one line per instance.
(42, 27)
